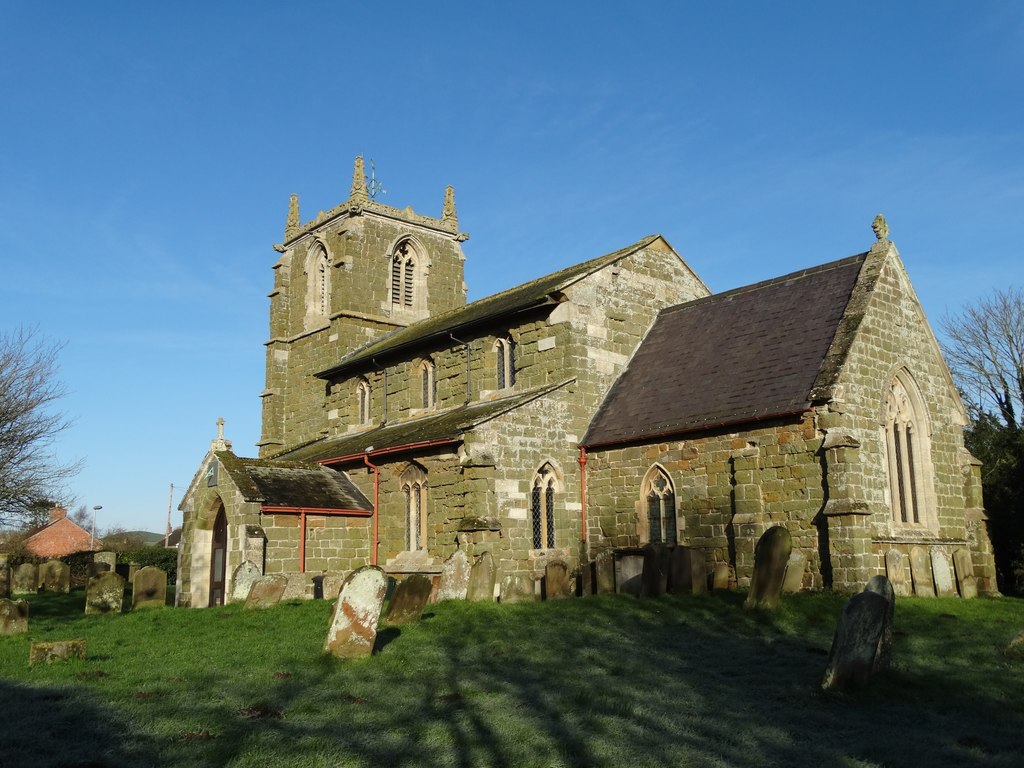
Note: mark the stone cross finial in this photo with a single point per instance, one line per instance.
(881, 228)
(448, 214)
(358, 193)
(220, 444)
(293, 222)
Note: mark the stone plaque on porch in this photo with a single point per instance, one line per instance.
(454, 577)
(55, 576)
(105, 593)
(242, 579)
(896, 570)
(921, 572)
(408, 600)
(149, 588)
(770, 558)
(481, 579)
(266, 592)
(942, 573)
(353, 627)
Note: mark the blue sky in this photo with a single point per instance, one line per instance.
(148, 152)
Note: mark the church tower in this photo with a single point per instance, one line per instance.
(344, 279)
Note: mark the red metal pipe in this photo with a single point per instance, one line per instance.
(393, 449)
(329, 512)
(583, 491)
(302, 541)
(375, 543)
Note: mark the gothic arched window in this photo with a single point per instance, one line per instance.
(403, 276)
(414, 488)
(363, 401)
(542, 507)
(907, 452)
(318, 286)
(505, 362)
(658, 501)
(428, 384)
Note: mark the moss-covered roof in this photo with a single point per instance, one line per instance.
(448, 425)
(523, 297)
(292, 484)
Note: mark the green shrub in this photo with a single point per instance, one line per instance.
(165, 559)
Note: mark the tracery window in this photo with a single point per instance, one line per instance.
(363, 401)
(658, 500)
(542, 507)
(428, 384)
(505, 362)
(907, 453)
(403, 276)
(414, 488)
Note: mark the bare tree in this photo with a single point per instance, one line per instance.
(985, 351)
(29, 426)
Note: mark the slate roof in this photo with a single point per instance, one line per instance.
(741, 356)
(293, 484)
(447, 425)
(523, 297)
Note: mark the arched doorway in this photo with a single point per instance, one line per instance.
(218, 558)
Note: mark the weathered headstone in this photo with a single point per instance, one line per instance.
(13, 617)
(481, 579)
(770, 557)
(408, 600)
(266, 592)
(149, 588)
(110, 558)
(680, 571)
(629, 569)
(896, 570)
(880, 585)
(59, 650)
(242, 579)
(517, 588)
(966, 582)
(556, 581)
(1015, 649)
(353, 627)
(332, 585)
(860, 647)
(105, 593)
(921, 572)
(454, 577)
(5, 579)
(942, 572)
(793, 581)
(654, 577)
(55, 576)
(25, 580)
(721, 577)
(95, 569)
(604, 566)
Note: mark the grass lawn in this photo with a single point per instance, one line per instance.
(611, 681)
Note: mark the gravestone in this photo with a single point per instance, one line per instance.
(629, 569)
(880, 585)
(408, 600)
(105, 593)
(13, 617)
(859, 648)
(332, 585)
(517, 588)
(266, 592)
(454, 577)
(1015, 649)
(95, 568)
(770, 557)
(557, 584)
(25, 580)
(604, 567)
(680, 571)
(942, 572)
(721, 577)
(921, 572)
(110, 558)
(149, 588)
(965, 579)
(242, 579)
(354, 620)
(896, 570)
(793, 581)
(59, 650)
(5, 579)
(55, 576)
(481, 579)
(654, 577)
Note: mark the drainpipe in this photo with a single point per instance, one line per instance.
(302, 542)
(375, 544)
(465, 346)
(385, 371)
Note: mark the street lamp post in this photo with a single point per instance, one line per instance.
(95, 509)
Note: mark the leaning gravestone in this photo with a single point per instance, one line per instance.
(793, 581)
(965, 579)
(654, 577)
(59, 650)
(266, 592)
(770, 557)
(55, 576)
(25, 580)
(604, 565)
(353, 627)
(409, 600)
(105, 593)
(149, 588)
(517, 588)
(13, 617)
(481, 579)
(896, 570)
(880, 585)
(858, 648)
(556, 581)
(921, 572)
(629, 569)
(244, 577)
(942, 571)
(721, 577)
(110, 558)
(454, 577)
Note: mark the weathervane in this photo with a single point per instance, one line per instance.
(373, 185)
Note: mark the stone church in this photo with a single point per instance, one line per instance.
(611, 404)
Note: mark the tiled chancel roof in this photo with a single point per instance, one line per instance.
(744, 355)
(293, 484)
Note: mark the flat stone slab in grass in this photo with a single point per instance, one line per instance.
(557, 584)
(149, 588)
(654, 577)
(59, 650)
(409, 599)
(55, 576)
(852, 659)
(517, 588)
(13, 617)
(354, 620)
(964, 568)
(921, 572)
(897, 569)
(25, 580)
(454, 577)
(481, 579)
(942, 573)
(105, 593)
(244, 577)
(266, 592)
(770, 557)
